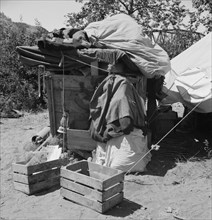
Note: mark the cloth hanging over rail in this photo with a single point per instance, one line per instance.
(115, 109)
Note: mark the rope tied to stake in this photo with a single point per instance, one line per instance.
(156, 146)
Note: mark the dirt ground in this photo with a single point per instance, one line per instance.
(177, 184)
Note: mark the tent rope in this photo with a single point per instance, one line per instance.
(153, 147)
(156, 146)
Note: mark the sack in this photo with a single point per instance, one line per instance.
(124, 151)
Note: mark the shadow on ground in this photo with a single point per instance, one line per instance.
(179, 147)
(125, 208)
(46, 191)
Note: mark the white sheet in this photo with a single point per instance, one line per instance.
(123, 32)
(124, 152)
(190, 80)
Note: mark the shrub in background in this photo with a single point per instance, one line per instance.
(18, 83)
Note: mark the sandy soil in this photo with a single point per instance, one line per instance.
(170, 189)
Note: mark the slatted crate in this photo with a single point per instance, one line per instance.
(36, 178)
(94, 186)
(77, 93)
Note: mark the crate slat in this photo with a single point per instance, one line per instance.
(81, 189)
(72, 82)
(44, 166)
(112, 202)
(20, 167)
(36, 187)
(81, 178)
(76, 166)
(113, 180)
(102, 169)
(36, 177)
(22, 187)
(95, 205)
(118, 188)
(80, 199)
(90, 192)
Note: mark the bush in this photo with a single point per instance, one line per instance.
(19, 86)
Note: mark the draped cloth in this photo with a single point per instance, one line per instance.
(190, 80)
(124, 33)
(122, 42)
(115, 109)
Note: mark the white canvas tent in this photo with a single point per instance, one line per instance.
(190, 78)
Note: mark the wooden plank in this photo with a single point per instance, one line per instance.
(71, 95)
(45, 166)
(20, 167)
(110, 203)
(113, 180)
(88, 192)
(78, 118)
(91, 193)
(72, 81)
(98, 175)
(37, 187)
(102, 169)
(82, 200)
(50, 107)
(76, 166)
(110, 192)
(36, 177)
(80, 139)
(72, 87)
(81, 178)
(47, 184)
(22, 187)
(73, 107)
(21, 178)
(95, 205)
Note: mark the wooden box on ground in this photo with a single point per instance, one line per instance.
(78, 91)
(97, 187)
(35, 178)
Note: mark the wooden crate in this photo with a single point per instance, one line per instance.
(80, 140)
(97, 187)
(77, 93)
(35, 178)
